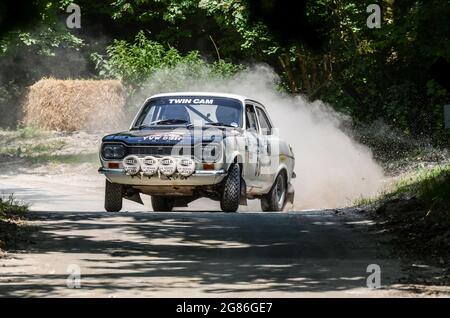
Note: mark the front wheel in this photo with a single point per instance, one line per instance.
(113, 196)
(162, 204)
(276, 198)
(231, 195)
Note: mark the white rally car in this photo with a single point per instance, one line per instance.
(183, 146)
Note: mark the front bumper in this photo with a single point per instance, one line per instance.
(198, 178)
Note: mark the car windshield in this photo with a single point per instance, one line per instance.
(191, 110)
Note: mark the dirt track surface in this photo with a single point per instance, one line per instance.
(138, 253)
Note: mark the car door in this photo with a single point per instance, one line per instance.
(268, 148)
(251, 160)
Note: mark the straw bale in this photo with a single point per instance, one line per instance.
(70, 105)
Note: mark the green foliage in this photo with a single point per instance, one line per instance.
(232, 15)
(42, 41)
(226, 20)
(28, 132)
(430, 184)
(385, 73)
(369, 74)
(11, 206)
(169, 11)
(28, 54)
(134, 62)
(417, 213)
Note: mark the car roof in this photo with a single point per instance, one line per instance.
(214, 94)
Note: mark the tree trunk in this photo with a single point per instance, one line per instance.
(306, 84)
(285, 64)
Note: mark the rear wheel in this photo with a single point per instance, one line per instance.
(276, 198)
(113, 196)
(162, 204)
(231, 195)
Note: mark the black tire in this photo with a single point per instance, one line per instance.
(265, 204)
(229, 201)
(113, 196)
(275, 200)
(162, 204)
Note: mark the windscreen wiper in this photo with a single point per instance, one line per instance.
(163, 122)
(143, 126)
(220, 124)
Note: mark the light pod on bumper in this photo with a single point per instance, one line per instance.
(149, 166)
(186, 167)
(167, 166)
(131, 165)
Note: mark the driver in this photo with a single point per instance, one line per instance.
(227, 115)
(175, 112)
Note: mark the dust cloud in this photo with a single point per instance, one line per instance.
(333, 170)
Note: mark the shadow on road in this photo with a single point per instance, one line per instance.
(216, 253)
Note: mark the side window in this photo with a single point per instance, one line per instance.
(264, 122)
(250, 118)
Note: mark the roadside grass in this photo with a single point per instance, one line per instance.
(32, 149)
(13, 230)
(34, 146)
(417, 211)
(27, 141)
(362, 201)
(432, 185)
(91, 158)
(30, 132)
(22, 133)
(10, 207)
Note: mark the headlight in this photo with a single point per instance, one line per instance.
(131, 165)
(211, 152)
(110, 151)
(186, 167)
(167, 166)
(149, 165)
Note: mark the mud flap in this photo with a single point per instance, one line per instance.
(243, 198)
(136, 197)
(290, 194)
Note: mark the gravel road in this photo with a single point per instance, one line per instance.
(195, 253)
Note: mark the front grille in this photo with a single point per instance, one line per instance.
(160, 151)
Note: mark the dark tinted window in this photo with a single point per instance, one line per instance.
(263, 121)
(250, 116)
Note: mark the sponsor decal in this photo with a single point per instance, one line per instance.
(131, 165)
(167, 166)
(149, 166)
(186, 167)
(206, 101)
(164, 137)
